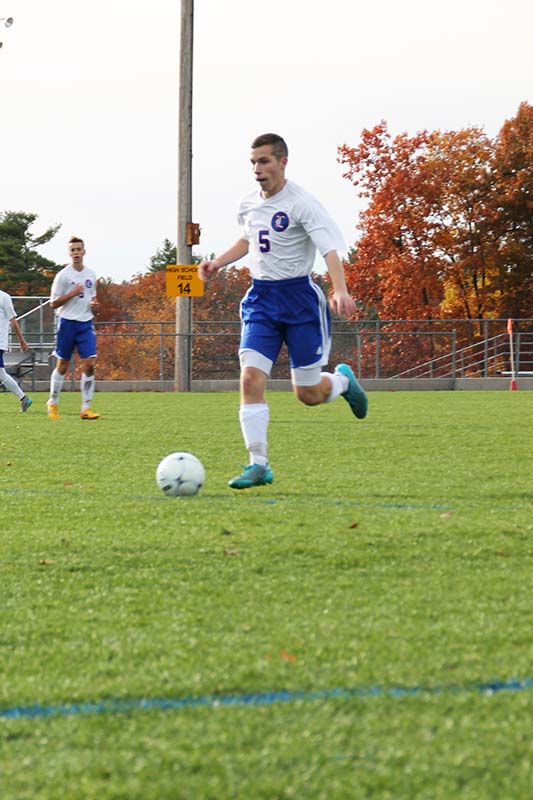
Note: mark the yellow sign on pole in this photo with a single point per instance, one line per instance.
(183, 281)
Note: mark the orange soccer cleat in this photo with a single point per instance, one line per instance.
(53, 410)
(88, 414)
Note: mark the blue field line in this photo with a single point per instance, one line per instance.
(122, 706)
(272, 501)
(256, 499)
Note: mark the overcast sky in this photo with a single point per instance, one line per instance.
(89, 104)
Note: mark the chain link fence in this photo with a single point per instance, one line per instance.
(145, 350)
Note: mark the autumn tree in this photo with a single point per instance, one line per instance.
(216, 323)
(418, 251)
(513, 161)
(129, 327)
(426, 241)
(137, 317)
(463, 229)
(448, 227)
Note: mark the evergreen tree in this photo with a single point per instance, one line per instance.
(24, 271)
(164, 255)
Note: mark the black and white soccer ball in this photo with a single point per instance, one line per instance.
(180, 475)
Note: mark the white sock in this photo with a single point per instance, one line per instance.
(56, 384)
(254, 418)
(10, 384)
(339, 384)
(87, 390)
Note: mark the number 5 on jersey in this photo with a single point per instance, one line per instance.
(264, 241)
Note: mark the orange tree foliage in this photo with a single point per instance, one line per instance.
(130, 329)
(513, 159)
(216, 324)
(448, 227)
(136, 327)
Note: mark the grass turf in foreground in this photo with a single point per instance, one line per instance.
(394, 551)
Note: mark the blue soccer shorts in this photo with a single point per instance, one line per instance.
(75, 335)
(294, 311)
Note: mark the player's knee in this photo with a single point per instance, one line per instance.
(88, 365)
(248, 383)
(253, 383)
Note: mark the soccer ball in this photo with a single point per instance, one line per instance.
(180, 475)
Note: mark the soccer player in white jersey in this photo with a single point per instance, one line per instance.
(73, 295)
(282, 227)
(8, 318)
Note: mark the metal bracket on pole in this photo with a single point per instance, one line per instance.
(193, 233)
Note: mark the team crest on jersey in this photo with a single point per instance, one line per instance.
(88, 283)
(280, 221)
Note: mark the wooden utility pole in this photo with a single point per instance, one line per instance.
(182, 369)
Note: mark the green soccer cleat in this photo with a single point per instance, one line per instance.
(25, 403)
(252, 475)
(354, 395)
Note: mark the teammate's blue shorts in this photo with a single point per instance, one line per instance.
(294, 311)
(1, 358)
(75, 335)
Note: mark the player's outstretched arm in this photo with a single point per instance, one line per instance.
(341, 302)
(16, 327)
(235, 252)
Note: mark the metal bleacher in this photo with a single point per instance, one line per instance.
(20, 365)
(37, 324)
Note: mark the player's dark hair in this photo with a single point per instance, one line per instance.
(279, 146)
(75, 240)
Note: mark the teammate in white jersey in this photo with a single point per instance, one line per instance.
(282, 227)
(73, 295)
(8, 318)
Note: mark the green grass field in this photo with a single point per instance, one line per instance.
(394, 552)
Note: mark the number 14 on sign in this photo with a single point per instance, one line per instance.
(183, 281)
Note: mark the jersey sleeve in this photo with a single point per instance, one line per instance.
(56, 291)
(9, 307)
(320, 227)
(94, 287)
(241, 220)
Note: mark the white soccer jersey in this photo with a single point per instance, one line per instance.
(7, 312)
(79, 307)
(285, 231)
